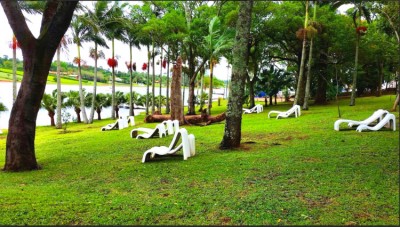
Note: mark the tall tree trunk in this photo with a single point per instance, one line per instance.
(37, 56)
(210, 91)
(81, 96)
(201, 90)
(113, 101)
(92, 109)
(250, 84)
(161, 59)
(396, 101)
(167, 111)
(299, 97)
(148, 80)
(98, 111)
(153, 81)
(14, 73)
(131, 104)
(176, 93)
(59, 93)
(308, 80)
(233, 124)
(354, 85)
(380, 70)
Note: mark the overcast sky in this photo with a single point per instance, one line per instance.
(121, 49)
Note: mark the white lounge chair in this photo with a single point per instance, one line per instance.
(158, 131)
(187, 145)
(131, 120)
(294, 110)
(388, 119)
(376, 116)
(169, 127)
(256, 109)
(121, 123)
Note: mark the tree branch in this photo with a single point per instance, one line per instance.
(18, 23)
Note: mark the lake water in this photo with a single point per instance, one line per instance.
(44, 119)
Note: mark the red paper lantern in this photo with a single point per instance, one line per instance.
(77, 61)
(14, 43)
(128, 65)
(144, 67)
(112, 62)
(164, 63)
(361, 30)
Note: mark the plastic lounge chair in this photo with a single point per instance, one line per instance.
(256, 109)
(111, 126)
(131, 120)
(285, 114)
(158, 131)
(169, 126)
(187, 145)
(376, 116)
(123, 122)
(388, 119)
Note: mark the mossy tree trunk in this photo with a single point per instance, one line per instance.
(232, 133)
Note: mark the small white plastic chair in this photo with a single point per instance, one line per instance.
(388, 119)
(285, 114)
(187, 145)
(158, 131)
(376, 116)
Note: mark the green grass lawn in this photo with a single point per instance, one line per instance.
(296, 171)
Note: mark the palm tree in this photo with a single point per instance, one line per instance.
(80, 34)
(95, 19)
(359, 10)
(215, 43)
(62, 46)
(302, 34)
(113, 30)
(119, 99)
(73, 100)
(49, 102)
(130, 36)
(311, 29)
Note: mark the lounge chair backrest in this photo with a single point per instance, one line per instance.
(176, 125)
(169, 127)
(160, 128)
(131, 120)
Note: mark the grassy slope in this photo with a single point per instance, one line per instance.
(296, 171)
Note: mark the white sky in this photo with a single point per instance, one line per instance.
(121, 49)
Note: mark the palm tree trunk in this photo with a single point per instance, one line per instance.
(380, 70)
(167, 111)
(210, 91)
(160, 79)
(299, 97)
(131, 111)
(82, 99)
(148, 80)
(94, 85)
(113, 104)
(153, 81)
(59, 123)
(308, 81)
(233, 124)
(14, 73)
(354, 86)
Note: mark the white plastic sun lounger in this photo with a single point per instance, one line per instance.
(131, 120)
(121, 123)
(285, 114)
(388, 119)
(158, 131)
(171, 126)
(376, 116)
(187, 145)
(256, 109)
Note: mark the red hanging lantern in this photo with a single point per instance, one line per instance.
(144, 67)
(14, 43)
(128, 65)
(134, 66)
(361, 30)
(164, 63)
(112, 62)
(77, 61)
